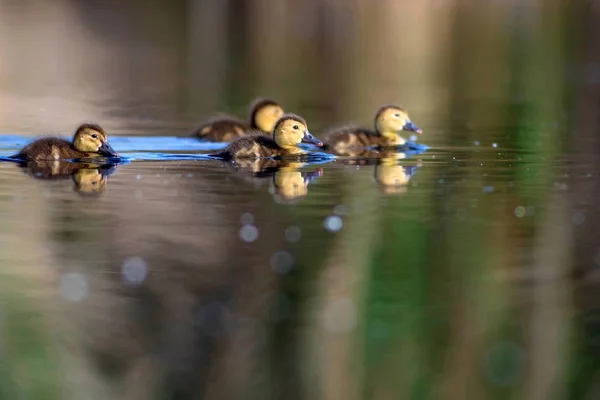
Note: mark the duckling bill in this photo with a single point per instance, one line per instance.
(389, 120)
(289, 131)
(89, 141)
(264, 113)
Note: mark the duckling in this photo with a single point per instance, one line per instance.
(89, 141)
(352, 140)
(264, 113)
(289, 131)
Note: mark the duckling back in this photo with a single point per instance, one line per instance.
(349, 139)
(254, 145)
(223, 129)
(50, 148)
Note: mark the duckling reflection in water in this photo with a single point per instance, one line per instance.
(353, 140)
(88, 177)
(89, 141)
(289, 131)
(291, 184)
(393, 178)
(264, 113)
(288, 183)
(92, 180)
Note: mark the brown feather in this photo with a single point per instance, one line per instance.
(350, 139)
(228, 128)
(51, 148)
(222, 129)
(254, 145)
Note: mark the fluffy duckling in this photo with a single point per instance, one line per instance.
(289, 131)
(389, 120)
(89, 141)
(264, 113)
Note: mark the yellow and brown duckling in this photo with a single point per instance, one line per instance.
(264, 113)
(89, 141)
(389, 120)
(289, 131)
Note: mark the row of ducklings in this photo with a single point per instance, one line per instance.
(251, 141)
(249, 138)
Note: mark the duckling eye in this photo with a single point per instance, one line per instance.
(397, 115)
(296, 127)
(94, 136)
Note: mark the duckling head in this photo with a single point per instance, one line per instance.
(90, 138)
(264, 114)
(391, 119)
(291, 130)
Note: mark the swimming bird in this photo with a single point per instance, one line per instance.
(289, 131)
(352, 140)
(89, 141)
(264, 113)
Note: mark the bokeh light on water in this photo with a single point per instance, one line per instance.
(73, 287)
(293, 234)
(333, 223)
(282, 262)
(135, 271)
(249, 233)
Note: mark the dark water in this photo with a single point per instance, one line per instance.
(172, 277)
(467, 271)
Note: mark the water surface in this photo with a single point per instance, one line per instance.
(200, 276)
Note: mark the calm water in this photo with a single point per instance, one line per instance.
(173, 275)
